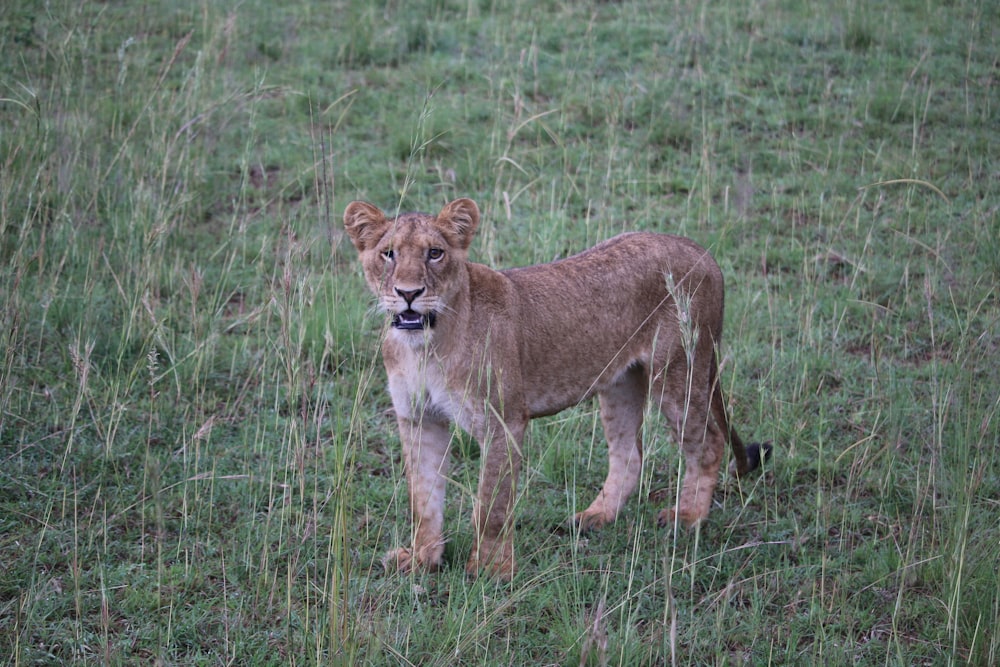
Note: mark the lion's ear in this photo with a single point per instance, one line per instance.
(459, 219)
(365, 224)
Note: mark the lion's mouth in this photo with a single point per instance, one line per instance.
(411, 320)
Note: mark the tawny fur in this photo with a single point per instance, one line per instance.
(636, 318)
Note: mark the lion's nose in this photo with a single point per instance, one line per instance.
(409, 295)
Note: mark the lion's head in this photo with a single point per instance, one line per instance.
(414, 263)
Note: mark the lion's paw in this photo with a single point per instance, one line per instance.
(403, 560)
(667, 518)
(498, 563)
(590, 520)
(398, 559)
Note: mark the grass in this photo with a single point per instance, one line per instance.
(198, 466)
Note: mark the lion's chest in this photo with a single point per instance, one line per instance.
(419, 388)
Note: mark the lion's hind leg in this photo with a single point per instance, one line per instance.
(622, 405)
(685, 405)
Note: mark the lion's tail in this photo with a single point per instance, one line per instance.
(746, 458)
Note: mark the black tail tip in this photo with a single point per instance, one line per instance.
(757, 454)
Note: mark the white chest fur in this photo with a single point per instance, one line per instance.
(418, 387)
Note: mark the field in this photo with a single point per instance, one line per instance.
(198, 459)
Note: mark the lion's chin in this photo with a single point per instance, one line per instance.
(411, 320)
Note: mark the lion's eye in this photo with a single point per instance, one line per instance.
(388, 255)
(435, 254)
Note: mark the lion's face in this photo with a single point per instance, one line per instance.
(415, 263)
(413, 271)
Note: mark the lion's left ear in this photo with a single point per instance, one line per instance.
(458, 220)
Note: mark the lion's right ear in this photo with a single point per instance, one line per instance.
(365, 224)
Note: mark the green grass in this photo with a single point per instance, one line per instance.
(196, 461)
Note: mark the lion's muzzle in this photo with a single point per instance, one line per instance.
(410, 319)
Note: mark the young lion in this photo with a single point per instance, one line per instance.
(636, 317)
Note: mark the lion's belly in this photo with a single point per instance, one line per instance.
(552, 388)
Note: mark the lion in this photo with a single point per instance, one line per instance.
(635, 318)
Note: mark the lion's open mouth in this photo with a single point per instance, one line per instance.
(410, 320)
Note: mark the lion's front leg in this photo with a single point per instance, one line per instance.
(425, 457)
(493, 517)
